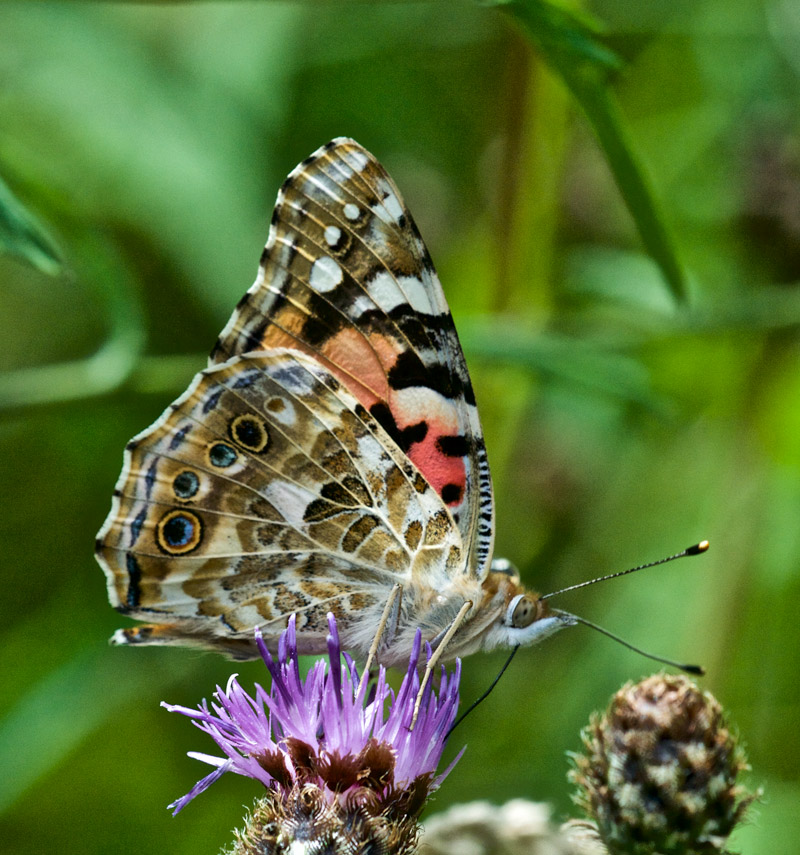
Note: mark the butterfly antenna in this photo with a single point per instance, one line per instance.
(697, 549)
(689, 669)
(485, 695)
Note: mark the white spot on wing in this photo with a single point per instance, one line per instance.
(351, 211)
(389, 292)
(333, 235)
(417, 294)
(358, 160)
(393, 207)
(315, 186)
(291, 499)
(325, 274)
(421, 399)
(384, 290)
(283, 412)
(361, 304)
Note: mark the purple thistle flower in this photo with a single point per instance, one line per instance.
(321, 744)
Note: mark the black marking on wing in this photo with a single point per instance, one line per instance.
(132, 596)
(177, 440)
(321, 324)
(454, 446)
(255, 337)
(409, 371)
(421, 331)
(405, 437)
(211, 402)
(150, 477)
(246, 380)
(136, 525)
(451, 494)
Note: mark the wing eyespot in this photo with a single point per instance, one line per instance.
(221, 455)
(250, 433)
(179, 532)
(185, 485)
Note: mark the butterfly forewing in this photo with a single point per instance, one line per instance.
(269, 489)
(346, 278)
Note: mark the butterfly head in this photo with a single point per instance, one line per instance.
(522, 617)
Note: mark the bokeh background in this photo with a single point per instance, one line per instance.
(623, 422)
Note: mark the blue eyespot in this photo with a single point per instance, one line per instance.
(221, 455)
(186, 484)
(179, 532)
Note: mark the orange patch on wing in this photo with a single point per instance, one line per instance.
(347, 355)
(439, 469)
(443, 472)
(358, 365)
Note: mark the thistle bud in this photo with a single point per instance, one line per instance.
(660, 769)
(305, 821)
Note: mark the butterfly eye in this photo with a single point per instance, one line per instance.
(522, 611)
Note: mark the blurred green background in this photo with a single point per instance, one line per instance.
(622, 423)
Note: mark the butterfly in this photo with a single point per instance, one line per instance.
(330, 454)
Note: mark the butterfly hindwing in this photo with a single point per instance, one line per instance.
(346, 279)
(266, 489)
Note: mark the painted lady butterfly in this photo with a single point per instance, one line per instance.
(330, 451)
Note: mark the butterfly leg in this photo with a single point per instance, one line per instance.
(457, 620)
(391, 609)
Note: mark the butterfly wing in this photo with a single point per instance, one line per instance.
(267, 489)
(346, 279)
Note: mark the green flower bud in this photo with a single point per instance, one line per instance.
(660, 769)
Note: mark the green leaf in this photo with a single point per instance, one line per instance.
(21, 235)
(67, 704)
(571, 47)
(568, 360)
(109, 366)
